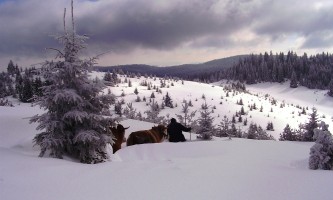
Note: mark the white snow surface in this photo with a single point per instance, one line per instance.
(197, 170)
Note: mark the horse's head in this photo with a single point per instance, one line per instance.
(121, 129)
(162, 130)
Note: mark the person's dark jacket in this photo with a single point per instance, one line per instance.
(175, 131)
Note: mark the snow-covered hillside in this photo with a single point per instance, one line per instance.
(262, 95)
(216, 169)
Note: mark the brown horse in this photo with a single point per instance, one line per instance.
(155, 135)
(119, 134)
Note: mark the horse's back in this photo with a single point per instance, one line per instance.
(141, 137)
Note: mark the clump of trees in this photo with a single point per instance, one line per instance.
(304, 133)
(22, 84)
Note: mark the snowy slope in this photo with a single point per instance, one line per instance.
(217, 169)
(216, 95)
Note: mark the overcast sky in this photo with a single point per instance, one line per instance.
(166, 32)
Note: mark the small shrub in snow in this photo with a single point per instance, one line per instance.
(5, 102)
(138, 99)
(136, 91)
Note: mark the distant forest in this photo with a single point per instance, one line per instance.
(314, 72)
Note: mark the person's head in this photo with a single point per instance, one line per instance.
(173, 120)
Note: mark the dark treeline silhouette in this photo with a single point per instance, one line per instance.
(312, 72)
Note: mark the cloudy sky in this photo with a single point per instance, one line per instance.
(166, 32)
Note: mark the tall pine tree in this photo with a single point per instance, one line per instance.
(72, 124)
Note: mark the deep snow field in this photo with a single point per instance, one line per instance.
(216, 169)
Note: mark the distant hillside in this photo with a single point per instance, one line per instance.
(183, 71)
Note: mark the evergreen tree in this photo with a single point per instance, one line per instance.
(11, 68)
(168, 101)
(321, 153)
(138, 99)
(270, 126)
(118, 108)
(152, 114)
(233, 131)
(72, 124)
(136, 91)
(293, 80)
(107, 77)
(311, 125)
(330, 88)
(26, 91)
(252, 133)
(109, 80)
(152, 95)
(37, 87)
(233, 120)
(240, 102)
(242, 112)
(129, 83)
(224, 127)
(288, 134)
(130, 112)
(187, 118)
(245, 122)
(262, 134)
(206, 129)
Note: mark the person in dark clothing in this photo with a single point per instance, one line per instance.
(175, 131)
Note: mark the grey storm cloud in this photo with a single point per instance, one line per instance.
(122, 25)
(305, 18)
(138, 23)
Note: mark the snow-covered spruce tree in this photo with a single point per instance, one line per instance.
(72, 124)
(321, 153)
(224, 127)
(270, 126)
(168, 101)
(263, 135)
(206, 128)
(252, 132)
(311, 125)
(288, 134)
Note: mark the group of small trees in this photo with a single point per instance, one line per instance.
(22, 84)
(305, 131)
